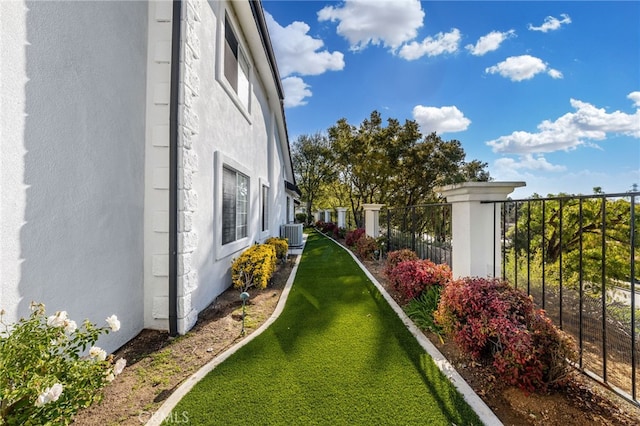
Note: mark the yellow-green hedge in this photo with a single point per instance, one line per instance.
(254, 267)
(281, 245)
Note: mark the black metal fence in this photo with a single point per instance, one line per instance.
(352, 220)
(425, 229)
(576, 256)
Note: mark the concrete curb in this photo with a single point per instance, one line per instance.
(475, 402)
(167, 407)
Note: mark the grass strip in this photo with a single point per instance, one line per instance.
(337, 355)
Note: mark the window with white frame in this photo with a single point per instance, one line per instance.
(265, 208)
(235, 205)
(236, 66)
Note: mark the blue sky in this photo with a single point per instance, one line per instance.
(544, 92)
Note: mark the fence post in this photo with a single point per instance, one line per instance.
(371, 219)
(342, 217)
(476, 229)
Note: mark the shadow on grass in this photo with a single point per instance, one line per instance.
(338, 354)
(320, 295)
(431, 376)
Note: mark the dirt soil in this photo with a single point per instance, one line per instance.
(158, 364)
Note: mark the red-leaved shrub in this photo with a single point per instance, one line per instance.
(394, 258)
(365, 247)
(411, 278)
(329, 228)
(490, 320)
(352, 237)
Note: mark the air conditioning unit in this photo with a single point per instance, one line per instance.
(293, 233)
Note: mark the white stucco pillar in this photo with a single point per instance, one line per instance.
(372, 219)
(342, 217)
(317, 215)
(327, 215)
(475, 226)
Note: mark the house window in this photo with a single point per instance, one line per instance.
(235, 205)
(236, 66)
(288, 215)
(265, 207)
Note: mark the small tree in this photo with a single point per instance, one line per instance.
(313, 163)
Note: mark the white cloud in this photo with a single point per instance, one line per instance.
(551, 23)
(432, 46)
(445, 119)
(527, 162)
(524, 67)
(489, 42)
(635, 97)
(573, 129)
(295, 92)
(364, 22)
(298, 53)
(554, 73)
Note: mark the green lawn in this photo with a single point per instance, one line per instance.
(338, 354)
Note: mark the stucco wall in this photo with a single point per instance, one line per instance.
(73, 123)
(227, 134)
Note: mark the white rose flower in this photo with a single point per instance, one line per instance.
(113, 323)
(55, 392)
(70, 326)
(57, 320)
(97, 353)
(110, 377)
(42, 399)
(119, 366)
(49, 395)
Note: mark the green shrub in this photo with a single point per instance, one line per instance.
(44, 379)
(301, 218)
(254, 267)
(491, 320)
(421, 310)
(281, 246)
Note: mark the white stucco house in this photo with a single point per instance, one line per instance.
(143, 146)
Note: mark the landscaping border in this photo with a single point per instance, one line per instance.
(482, 410)
(167, 407)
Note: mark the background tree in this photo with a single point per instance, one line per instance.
(395, 165)
(364, 159)
(314, 170)
(568, 226)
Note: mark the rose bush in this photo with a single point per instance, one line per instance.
(44, 376)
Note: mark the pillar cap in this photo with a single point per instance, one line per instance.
(372, 206)
(478, 191)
